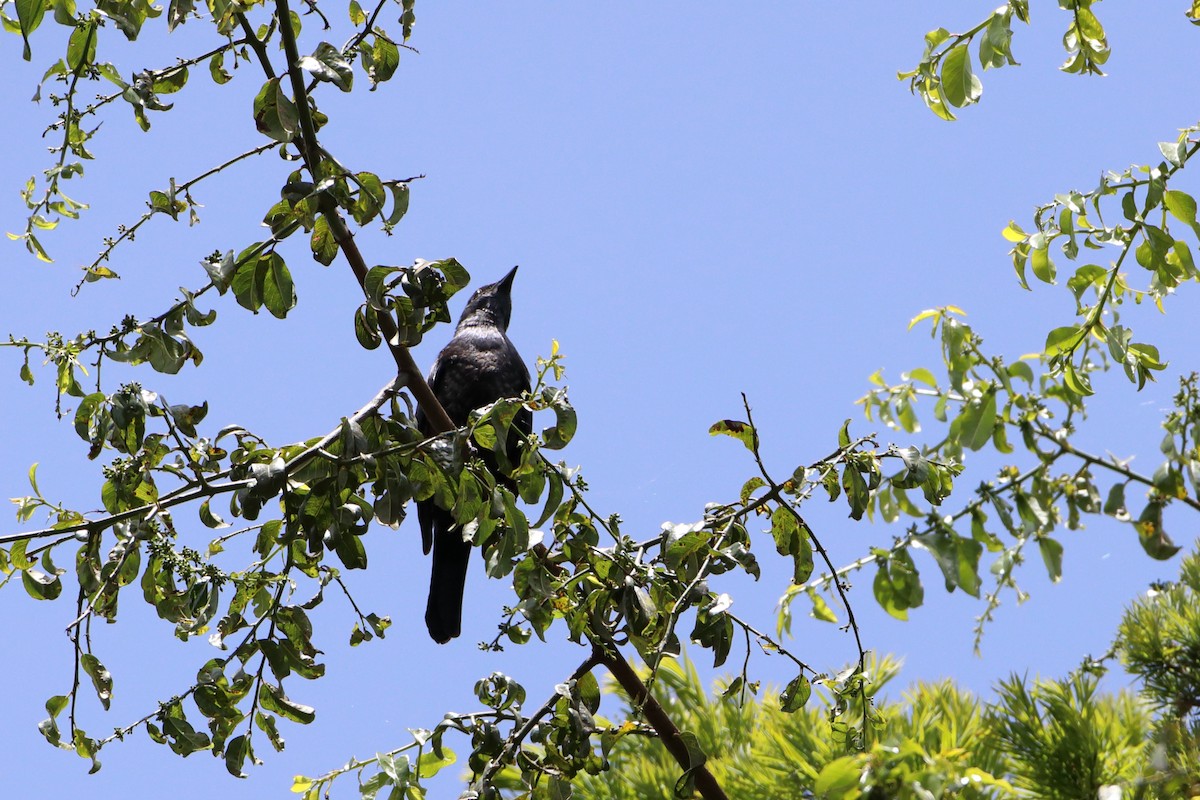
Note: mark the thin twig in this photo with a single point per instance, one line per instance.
(130, 231)
(820, 548)
(774, 645)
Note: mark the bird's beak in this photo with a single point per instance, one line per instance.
(505, 283)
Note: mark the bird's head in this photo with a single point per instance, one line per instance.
(490, 305)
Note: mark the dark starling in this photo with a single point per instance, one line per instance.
(478, 367)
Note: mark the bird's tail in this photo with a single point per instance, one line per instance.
(443, 612)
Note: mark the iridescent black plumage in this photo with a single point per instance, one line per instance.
(477, 367)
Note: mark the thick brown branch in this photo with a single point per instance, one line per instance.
(408, 369)
(257, 45)
(670, 736)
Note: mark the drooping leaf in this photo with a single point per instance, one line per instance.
(960, 85)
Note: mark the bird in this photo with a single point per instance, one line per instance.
(477, 367)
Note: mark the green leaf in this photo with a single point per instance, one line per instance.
(558, 435)
(905, 579)
(407, 19)
(247, 283)
(278, 291)
(350, 550)
(969, 551)
(742, 431)
(327, 64)
(64, 13)
(947, 549)
(17, 553)
(1022, 370)
(49, 727)
(713, 631)
(930, 313)
(1052, 554)
(81, 48)
(178, 11)
(430, 763)
(1151, 536)
(266, 723)
(975, 423)
(171, 82)
(1174, 152)
(101, 678)
(1077, 382)
(1114, 505)
(324, 246)
(1085, 277)
(897, 586)
(1013, 233)
(750, 487)
(1062, 340)
(784, 530)
(924, 376)
(371, 197)
(181, 736)
(29, 16)
(366, 327)
(857, 495)
(86, 747)
(380, 60)
(236, 751)
(820, 609)
(275, 114)
(1043, 266)
(1181, 205)
(400, 195)
(216, 69)
(935, 37)
(960, 86)
(456, 275)
(274, 700)
(792, 539)
(41, 586)
(885, 595)
(795, 695)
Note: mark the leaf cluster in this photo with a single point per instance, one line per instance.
(946, 80)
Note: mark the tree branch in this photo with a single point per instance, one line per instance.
(190, 492)
(670, 735)
(409, 371)
(820, 548)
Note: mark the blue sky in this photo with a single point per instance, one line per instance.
(703, 202)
